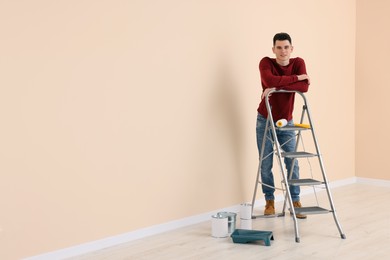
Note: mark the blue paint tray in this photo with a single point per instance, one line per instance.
(243, 236)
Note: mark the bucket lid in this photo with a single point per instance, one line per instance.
(219, 216)
(229, 215)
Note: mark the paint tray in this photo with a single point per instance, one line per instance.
(243, 236)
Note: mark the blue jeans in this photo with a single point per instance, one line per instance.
(287, 140)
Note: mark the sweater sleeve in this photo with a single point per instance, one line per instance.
(299, 69)
(270, 80)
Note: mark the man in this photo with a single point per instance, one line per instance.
(280, 73)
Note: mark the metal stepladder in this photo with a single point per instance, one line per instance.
(287, 178)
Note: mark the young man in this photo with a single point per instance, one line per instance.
(280, 73)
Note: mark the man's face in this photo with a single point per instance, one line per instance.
(282, 51)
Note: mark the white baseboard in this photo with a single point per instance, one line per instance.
(157, 229)
(376, 182)
(128, 237)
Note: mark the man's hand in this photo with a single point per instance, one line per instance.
(304, 77)
(266, 91)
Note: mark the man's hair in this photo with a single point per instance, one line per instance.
(282, 37)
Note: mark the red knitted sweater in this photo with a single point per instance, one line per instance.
(276, 76)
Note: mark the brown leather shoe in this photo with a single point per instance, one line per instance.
(269, 207)
(297, 204)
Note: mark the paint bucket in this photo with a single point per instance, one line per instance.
(219, 226)
(246, 211)
(231, 220)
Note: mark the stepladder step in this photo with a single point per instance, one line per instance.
(304, 182)
(311, 210)
(292, 128)
(297, 154)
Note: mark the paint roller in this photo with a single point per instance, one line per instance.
(283, 122)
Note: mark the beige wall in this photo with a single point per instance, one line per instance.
(372, 89)
(119, 115)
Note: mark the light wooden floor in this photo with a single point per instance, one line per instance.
(363, 211)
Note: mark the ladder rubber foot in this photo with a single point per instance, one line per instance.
(297, 239)
(343, 236)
